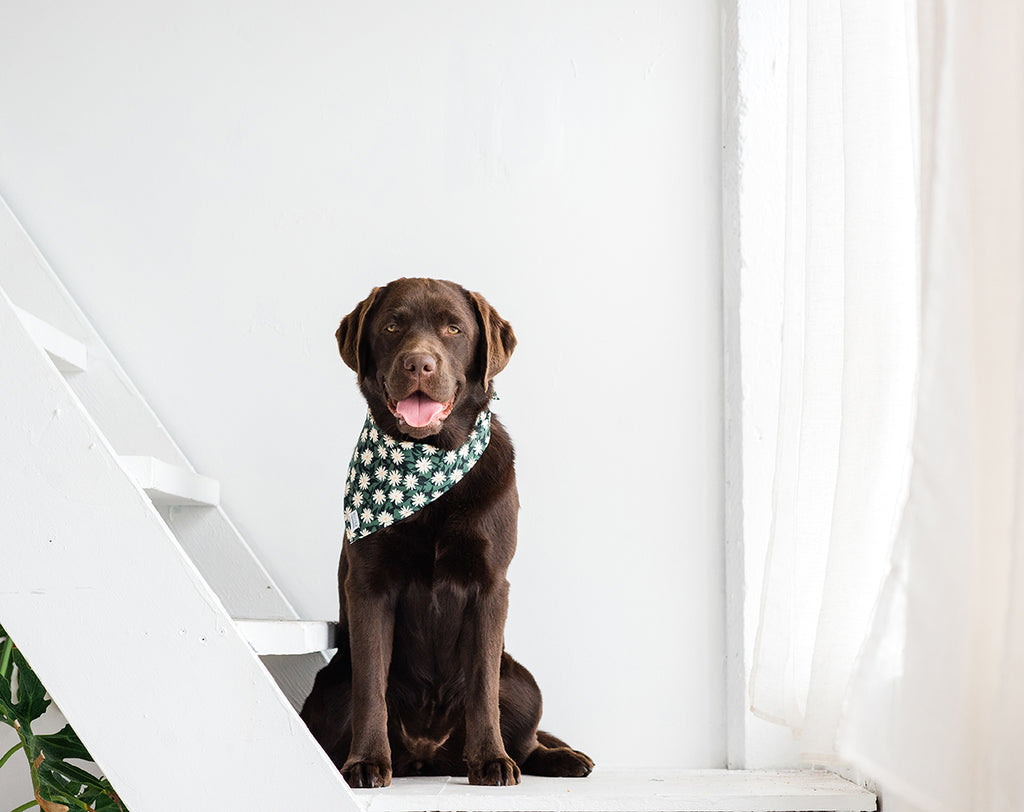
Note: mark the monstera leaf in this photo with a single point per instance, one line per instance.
(59, 786)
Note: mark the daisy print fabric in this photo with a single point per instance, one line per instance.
(389, 480)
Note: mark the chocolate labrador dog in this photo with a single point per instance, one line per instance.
(421, 684)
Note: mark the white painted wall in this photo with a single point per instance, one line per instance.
(218, 184)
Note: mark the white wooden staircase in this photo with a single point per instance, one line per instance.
(164, 641)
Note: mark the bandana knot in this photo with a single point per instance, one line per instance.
(389, 480)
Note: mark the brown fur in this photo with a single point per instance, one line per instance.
(421, 684)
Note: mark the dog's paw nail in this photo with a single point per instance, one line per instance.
(366, 775)
(501, 772)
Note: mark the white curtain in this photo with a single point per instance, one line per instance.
(848, 356)
(933, 705)
(936, 708)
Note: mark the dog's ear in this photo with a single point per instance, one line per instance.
(350, 333)
(497, 340)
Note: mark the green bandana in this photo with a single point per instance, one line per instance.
(389, 479)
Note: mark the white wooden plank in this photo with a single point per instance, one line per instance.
(229, 566)
(68, 354)
(287, 636)
(130, 641)
(171, 484)
(635, 790)
(294, 674)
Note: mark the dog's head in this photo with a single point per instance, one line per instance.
(426, 352)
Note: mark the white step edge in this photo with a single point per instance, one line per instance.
(636, 790)
(287, 636)
(68, 354)
(171, 484)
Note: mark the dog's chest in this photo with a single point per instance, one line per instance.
(428, 623)
(431, 554)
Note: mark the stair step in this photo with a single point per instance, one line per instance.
(68, 354)
(611, 790)
(170, 484)
(288, 636)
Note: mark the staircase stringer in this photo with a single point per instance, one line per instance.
(131, 642)
(122, 414)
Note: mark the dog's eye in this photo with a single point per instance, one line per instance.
(453, 330)
(391, 327)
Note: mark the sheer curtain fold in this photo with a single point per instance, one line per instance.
(847, 357)
(945, 656)
(892, 626)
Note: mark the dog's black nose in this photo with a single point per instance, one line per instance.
(420, 363)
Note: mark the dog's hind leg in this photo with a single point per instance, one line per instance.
(552, 757)
(536, 752)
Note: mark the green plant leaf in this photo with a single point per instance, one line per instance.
(60, 786)
(68, 784)
(7, 712)
(82, 792)
(6, 670)
(62, 745)
(108, 802)
(66, 778)
(31, 700)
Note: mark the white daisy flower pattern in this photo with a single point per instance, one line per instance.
(408, 475)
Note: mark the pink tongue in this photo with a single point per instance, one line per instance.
(418, 410)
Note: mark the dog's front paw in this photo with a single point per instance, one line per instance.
(498, 772)
(366, 774)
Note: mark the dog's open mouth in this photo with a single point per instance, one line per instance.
(419, 411)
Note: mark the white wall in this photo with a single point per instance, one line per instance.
(218, 184)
